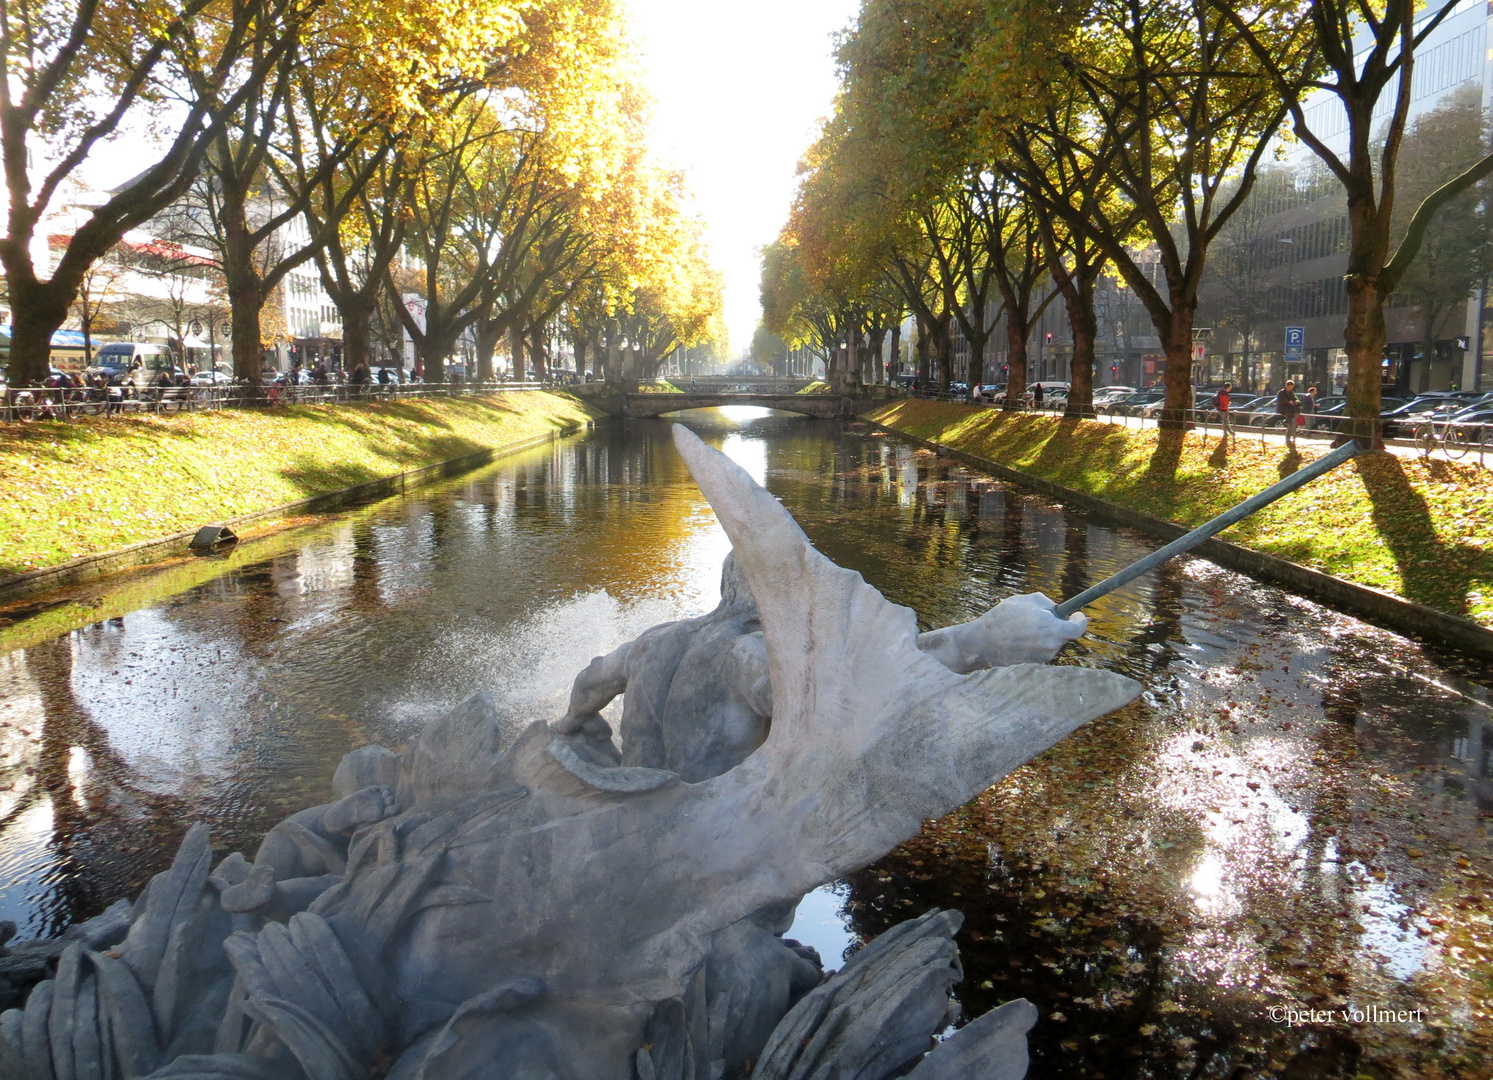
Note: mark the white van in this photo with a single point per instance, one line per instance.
(132, 362)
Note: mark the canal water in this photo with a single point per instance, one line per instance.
(1293, 817)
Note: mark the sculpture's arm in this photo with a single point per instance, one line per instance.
(604, 678)
(1018, 630)
(749, 672)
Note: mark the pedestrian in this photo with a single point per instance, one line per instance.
(1224, 401)
(1288, 407)
(974, 393)
(1036, 395)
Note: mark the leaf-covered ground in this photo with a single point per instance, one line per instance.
(1419, 528)
(71, 489)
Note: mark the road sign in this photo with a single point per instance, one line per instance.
(1199, 352)
(1295, 344)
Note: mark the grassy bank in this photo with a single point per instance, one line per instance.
(1418, 528)
(78, 489)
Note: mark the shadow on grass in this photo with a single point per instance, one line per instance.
(1434, 571)
(1219, 459)
(1167, 456)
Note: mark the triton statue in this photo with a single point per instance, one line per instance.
(565, 907)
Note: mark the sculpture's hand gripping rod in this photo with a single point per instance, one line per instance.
(1210, 528)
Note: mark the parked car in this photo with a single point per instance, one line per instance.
(1133, 405)
(1471, 426)
(1117, 405)
(1151, 410)
(1106, 394)
(1401, 422)
(218, 377)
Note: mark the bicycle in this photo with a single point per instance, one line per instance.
(1425, 438)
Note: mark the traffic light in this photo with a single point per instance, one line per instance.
(1049, 337)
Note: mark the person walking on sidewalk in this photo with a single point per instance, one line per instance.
(1288, 406)
(1224, 401)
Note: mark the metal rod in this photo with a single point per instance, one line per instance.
(1209, 529)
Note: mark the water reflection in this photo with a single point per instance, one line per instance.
(1295, 812)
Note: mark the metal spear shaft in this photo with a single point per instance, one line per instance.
(1209, 529)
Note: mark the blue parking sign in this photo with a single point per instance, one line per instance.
(1295, 344)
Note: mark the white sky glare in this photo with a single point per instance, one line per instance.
(740, 90)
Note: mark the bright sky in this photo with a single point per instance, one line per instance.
(741, 88)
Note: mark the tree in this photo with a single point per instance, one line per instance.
(1358, 51)
(1454, 250)
(71, 73)
(1178, 117)
(769, 350)
(1241, 293)
(181, 286)
(98, 287)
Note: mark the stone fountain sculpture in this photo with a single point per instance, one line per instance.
(562, 908)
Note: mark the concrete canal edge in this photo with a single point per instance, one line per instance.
(1372, 605)
(93, 567)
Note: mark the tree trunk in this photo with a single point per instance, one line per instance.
(1178, 376)
(355, 333)
(1363, 339)
(536, 355)
(578, 347)
(1085, 327)
(434, 349)
(515, 354)
(245, 300)
(852, 369)
(896, 350)
(38, 309)
(245, 290)
(1016, 335)
(943, 343)
(925, 360)
(876, 339)
(487, 344)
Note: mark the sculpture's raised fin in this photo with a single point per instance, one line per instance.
(849, 681)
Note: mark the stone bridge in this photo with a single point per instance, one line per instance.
(821, 406)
